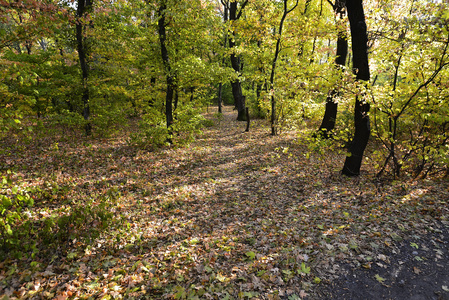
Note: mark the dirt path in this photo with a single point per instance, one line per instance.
(415, 268)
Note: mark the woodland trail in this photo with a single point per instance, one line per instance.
(234, 215)
(413, 268)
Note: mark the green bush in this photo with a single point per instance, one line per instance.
(152, 131)
(188, 123)
(108, 119)
(14, 203)
(25, 232)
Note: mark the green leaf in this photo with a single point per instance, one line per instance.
(249, 294)
(251, 255)
(8, 229)
(414, 245)
(71, 255)
(34, 264)
(222, 278)
(304, 269)
(180, 292)
(379, 278)
(194, 241)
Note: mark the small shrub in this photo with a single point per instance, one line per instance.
(14, 201)
(189, 123)
(152, 131)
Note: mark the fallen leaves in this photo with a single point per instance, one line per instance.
(235, 215)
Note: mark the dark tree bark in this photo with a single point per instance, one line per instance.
(171, 85)
(361, 68)
(247, 119)
(306, 9)
(84, 6)
(236, 85)
(152, 99)
(225, 42)
(220, 98)
(330, 113)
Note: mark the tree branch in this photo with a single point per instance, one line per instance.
(241, 9)
(289, 11)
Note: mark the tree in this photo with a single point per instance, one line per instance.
(286, 11)
(359, 37)
(225, 4)
(166, 61)
(410, 110)
(24, 28)
(82, 11)
(234, 15)
(331, 108)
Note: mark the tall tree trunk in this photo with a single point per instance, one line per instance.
(361, 68)
(225, 42)
(306, 9)
(330, 113)
(235, 63)
(83, 7)
(273, 65)
(171, 85)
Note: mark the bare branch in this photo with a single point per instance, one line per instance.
(241, 9)
(289, 11)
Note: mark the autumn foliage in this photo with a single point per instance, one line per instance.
(119, 178)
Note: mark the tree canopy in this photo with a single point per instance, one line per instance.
(95, 64)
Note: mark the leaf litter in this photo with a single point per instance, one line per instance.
(232, 216)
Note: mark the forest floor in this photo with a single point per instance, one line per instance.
(235, 215)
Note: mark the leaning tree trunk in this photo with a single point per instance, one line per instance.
(235, 62)
(171, 85)
(83, 7)
(330, 113)
(360, 64)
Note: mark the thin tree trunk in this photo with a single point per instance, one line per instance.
(83, 7)
(235, 63)
(225, 42)
(152, 98)
(361, 67)
(330, 113)
(171, 86)
(273, 65)
(220, 98)
(306, 8)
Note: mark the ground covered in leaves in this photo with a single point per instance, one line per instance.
(236, 215)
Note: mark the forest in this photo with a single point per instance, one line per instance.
(224, 149)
